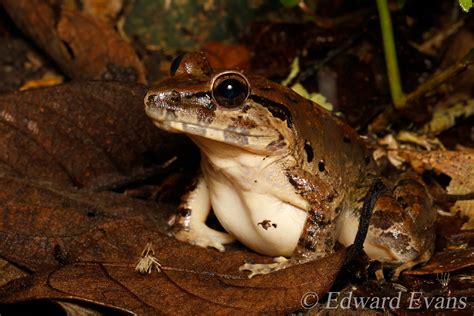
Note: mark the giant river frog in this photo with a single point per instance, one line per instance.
(283, 176)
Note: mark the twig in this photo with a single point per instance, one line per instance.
(437, 79)
(441, 77)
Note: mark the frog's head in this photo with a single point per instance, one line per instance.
(223, 106)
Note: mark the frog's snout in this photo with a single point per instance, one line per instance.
(165, 100)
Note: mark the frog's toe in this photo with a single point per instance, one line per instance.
(264, 268)
(424, 257)
(204, 236)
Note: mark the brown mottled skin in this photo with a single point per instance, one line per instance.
(320, 157)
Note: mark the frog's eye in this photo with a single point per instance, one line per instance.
(230, 90)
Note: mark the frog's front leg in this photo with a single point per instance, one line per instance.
(189, 224)
(316, 241)
(317, 237)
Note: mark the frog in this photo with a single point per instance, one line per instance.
(282, 175)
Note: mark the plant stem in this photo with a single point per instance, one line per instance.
(398, 97)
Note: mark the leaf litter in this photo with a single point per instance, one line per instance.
(67, 236)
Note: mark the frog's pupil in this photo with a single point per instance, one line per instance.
(230, 89)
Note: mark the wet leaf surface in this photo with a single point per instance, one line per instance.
(86, 134)
(447, 261)
(90, 250)
(83, 46)
(69, 237)
(9, 272)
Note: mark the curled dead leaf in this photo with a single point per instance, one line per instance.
(83, 46)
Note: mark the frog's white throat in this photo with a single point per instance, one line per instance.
(252, 198)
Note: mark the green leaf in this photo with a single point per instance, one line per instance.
(295, 69)
(290, 3)
(465, 4)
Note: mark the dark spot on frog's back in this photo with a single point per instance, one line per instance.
(309, 244)
(321, 166)
(309, 151)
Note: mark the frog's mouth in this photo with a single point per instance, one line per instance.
(244, 139)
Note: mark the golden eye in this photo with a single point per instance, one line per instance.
(230, 90)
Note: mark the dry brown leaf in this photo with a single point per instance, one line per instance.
(225, 56)
(44, 226)
(465, 208)
(92, 135)
(20, 63)
(458, 165)
(9, 272)
(447, 261)
(84, 47)
(445, 117)
(428, 143)
(88, 252)
(103, 9)
(182, 292)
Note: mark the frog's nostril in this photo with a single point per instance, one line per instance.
(163, 100)
(151, 99)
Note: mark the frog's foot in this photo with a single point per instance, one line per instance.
(265, 268)
(379, 275)
(203, 236)
(410, 264)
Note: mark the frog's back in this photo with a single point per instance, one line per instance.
(327, 147)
